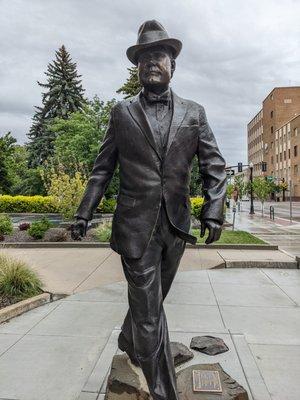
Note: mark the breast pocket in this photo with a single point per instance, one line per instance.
(193, 126)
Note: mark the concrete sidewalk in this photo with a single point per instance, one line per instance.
(63, 350)
(72, 270)
(280, 232)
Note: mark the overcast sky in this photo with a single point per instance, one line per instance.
(234, 53)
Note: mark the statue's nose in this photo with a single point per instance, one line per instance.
(151, 63)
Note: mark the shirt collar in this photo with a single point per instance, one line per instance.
(151, 97)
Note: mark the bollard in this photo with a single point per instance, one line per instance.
(234, 212)
(272, 213)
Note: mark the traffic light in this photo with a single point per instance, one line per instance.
(240, 167)
(264, 166)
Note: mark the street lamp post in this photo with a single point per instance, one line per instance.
(251, 190)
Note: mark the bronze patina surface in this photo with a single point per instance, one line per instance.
(154, 137)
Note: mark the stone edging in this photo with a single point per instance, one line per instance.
(86, 245)
(25, 305)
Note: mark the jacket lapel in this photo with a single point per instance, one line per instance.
(138, 114)
(179, 111)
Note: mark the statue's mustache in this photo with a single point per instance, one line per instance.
(151, 70)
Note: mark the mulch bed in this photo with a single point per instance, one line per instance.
(5, 301)
(22, 236)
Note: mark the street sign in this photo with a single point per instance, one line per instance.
(230, 172)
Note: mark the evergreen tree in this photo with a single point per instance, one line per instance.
(7, 147)
(63, 96)
(132, 86)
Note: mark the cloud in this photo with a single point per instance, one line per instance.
(233, 54)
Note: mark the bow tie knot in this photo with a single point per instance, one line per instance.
(156, 98)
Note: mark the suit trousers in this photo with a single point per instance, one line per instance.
(145, 327)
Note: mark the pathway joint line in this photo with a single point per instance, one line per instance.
(212, 288)
(254, 360)
(24, 334)
(91, 273)
(279, 287)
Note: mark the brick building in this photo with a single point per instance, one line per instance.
(274, 137)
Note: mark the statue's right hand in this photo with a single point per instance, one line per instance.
(78, 230)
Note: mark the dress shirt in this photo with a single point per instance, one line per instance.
(159, 110)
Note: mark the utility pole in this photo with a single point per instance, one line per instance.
(251, 190)
(291, 204)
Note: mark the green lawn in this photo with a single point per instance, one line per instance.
(231, 237)
(102, 234)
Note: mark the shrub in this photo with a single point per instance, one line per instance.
(27, 204)
(103, 232)
(24, 226)
(6, 226)
(17, 280)
(38, 228)
(196, 206)
(56, 235)
(66, 190)
(107, 206)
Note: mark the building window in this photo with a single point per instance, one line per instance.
(272, 145)
(271, 114)
(289, 153)
(280, 156)
(272, 129)
(272, 160)
(295, 169)
(295, 131)
(284, 155)
(295, 151)
(277, 158)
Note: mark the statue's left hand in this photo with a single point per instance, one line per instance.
(214, 230)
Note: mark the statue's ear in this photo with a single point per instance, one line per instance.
(173, 66)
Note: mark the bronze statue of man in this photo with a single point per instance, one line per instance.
(154, 137)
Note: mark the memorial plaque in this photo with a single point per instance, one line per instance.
(206, 381)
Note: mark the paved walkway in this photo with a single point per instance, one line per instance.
(68, 271)
(280, 232)
(282, 208)
(62, 351)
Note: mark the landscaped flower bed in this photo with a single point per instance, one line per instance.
(44, 231)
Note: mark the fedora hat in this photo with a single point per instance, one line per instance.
(150, 34)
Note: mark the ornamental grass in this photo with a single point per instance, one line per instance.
(17, 280)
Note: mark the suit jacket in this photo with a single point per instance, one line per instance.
(145, 178)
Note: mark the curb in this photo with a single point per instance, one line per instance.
(25, 305)
(262, 264)
(86, 245)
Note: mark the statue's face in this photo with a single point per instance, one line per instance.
(155, 66)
